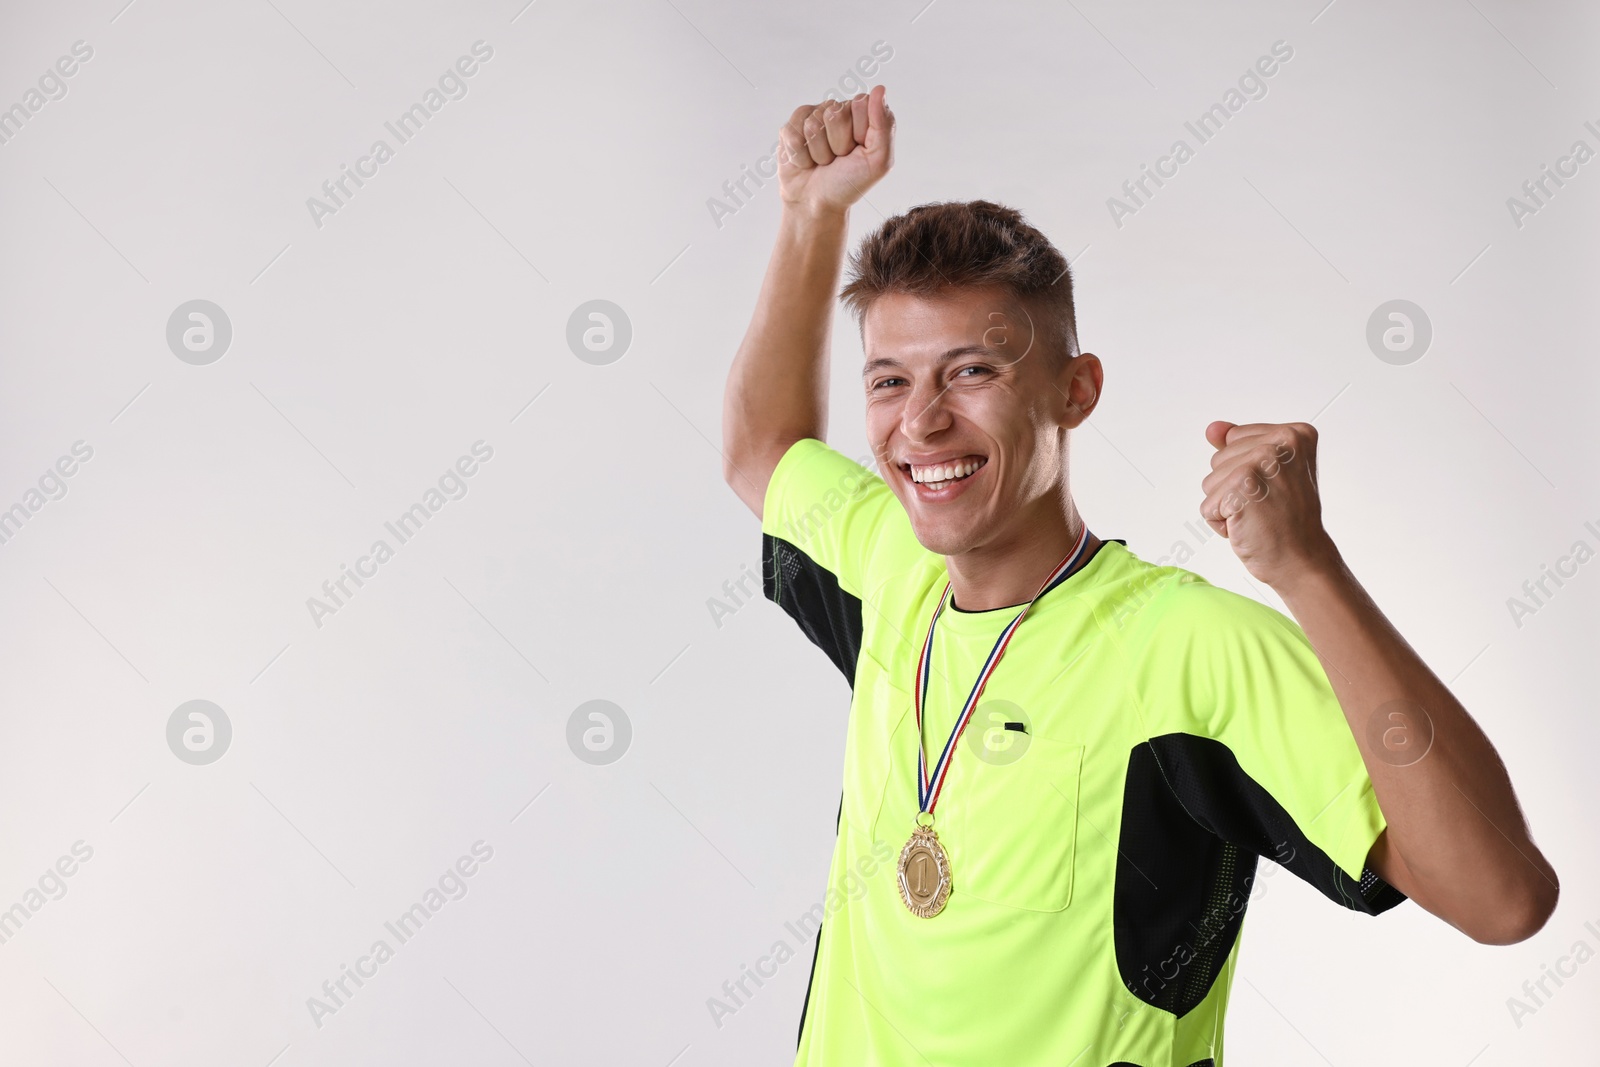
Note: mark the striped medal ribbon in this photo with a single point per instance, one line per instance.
(924, 869)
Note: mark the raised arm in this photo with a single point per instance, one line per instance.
(1456, 841)
(777, 391)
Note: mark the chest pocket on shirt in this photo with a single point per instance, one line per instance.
(1010, 827)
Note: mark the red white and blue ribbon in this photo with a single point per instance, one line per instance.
(928, 787)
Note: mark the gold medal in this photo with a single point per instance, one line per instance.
(924, 873)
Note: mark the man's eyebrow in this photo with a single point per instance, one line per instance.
(887, 362)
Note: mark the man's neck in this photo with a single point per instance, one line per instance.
(1009, 573)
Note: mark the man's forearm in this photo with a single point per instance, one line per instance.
(1457, 842)
(777, 388)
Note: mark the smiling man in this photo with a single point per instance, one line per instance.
(1063, 762)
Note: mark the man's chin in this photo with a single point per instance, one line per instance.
(940, 539)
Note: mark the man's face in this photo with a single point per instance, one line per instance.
(961, 382)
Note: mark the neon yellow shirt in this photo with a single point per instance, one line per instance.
(1166, 734)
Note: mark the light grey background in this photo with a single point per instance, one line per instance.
(431, 711)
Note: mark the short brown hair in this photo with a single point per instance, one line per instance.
(961, 245)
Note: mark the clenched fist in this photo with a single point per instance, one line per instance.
(832, 153)
(1262, 496)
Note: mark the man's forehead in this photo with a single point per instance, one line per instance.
(904, 327)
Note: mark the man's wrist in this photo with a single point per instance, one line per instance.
(1321, 573)
(807, 213)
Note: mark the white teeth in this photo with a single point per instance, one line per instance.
(940, 475)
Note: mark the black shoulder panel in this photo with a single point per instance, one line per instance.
(1216, 791)
(811, 595)
(1193, 825)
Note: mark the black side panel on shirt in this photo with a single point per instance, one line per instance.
(811, 595)
(1172, 918)
(816, 943)
(831, 619)
(1193, 825)
(1207, 1062)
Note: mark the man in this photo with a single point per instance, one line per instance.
(1063, 761)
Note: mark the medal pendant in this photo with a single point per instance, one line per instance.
(924, 873)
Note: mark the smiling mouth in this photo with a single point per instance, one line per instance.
(939, 475)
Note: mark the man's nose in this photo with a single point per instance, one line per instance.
(925, 411)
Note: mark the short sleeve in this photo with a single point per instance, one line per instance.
(1253, 742)
(827, 525)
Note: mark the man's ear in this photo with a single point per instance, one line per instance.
(1080, 383)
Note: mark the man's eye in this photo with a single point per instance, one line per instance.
(977, 367)
(885, 381)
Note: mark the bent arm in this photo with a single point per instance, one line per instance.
(777, 391)
(1456, 842)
